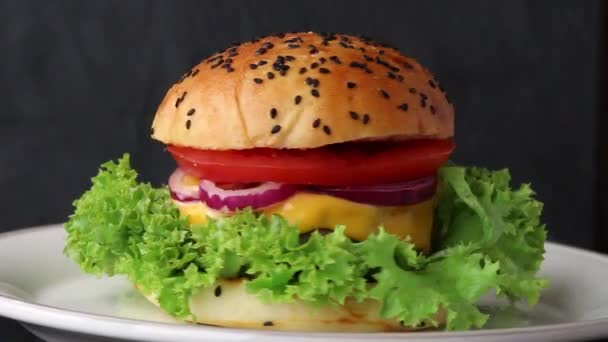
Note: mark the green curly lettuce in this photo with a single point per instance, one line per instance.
(490, 238)
(477, 207)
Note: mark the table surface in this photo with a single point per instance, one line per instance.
(11, 331)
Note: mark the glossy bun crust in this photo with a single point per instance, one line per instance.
(303, 90)
(229, 305)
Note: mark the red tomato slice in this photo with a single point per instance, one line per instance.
(341, 164)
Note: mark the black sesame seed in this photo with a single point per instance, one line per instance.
(191, 112)
(228, 61)
(258, 80)
(384, 94)
(293, 46)
(322, 60)
(315, 93)
(229, 69)
(297, 99)
(356, 64)
(422, 103)
(432, 84)
(268, 324)
(365, 119)
(391, 75)
(218, 291)
(381, 52)
(260, 51)
(313, 51)
(218, 63)
(365, 39)
(351, 85)
(194, 72)
(188, 124)
(233, 54)
(353, 115)
(404, 107)
(213, 59)
(314, 65)
(316, 123)
(280, 35)
(273, 113)
(368, 58)
(276, 129)
(400, 78)
(362, 49)
(412, 90)
(324, 70)
(315, 83)
(325, 43)
(280, 59)
(180, 99)
(423, 96)
(408, 65)
(262, 62)
(152, 130)
(303, 70)
(268, 45)
(432, 109)
(270, 75)
(326, 129)
(308, 81)
(290, 58)
(253, 66)
(335, 59)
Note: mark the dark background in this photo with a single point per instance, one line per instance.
(80, 81)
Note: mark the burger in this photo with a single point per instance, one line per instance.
(312, 192)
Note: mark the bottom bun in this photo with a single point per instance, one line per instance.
(229, 305)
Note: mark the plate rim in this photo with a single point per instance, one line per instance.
(110, 326)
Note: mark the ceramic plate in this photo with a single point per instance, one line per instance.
(51, 297)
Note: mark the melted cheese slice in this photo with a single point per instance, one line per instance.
(313, 211)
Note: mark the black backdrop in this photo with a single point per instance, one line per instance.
(80, 81)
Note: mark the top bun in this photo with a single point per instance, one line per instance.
(303, 90)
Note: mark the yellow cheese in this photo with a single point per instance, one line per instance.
(312, 211)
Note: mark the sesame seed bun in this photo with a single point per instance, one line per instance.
(303, 90)
(229, 305)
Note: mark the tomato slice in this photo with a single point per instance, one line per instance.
(341, 164)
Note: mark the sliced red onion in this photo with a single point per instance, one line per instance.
(401, 193)
(260, 196)
(180, 190)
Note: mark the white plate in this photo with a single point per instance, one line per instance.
(51, 297)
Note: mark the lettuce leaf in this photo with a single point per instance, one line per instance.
(489, 238)
(477, 207)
